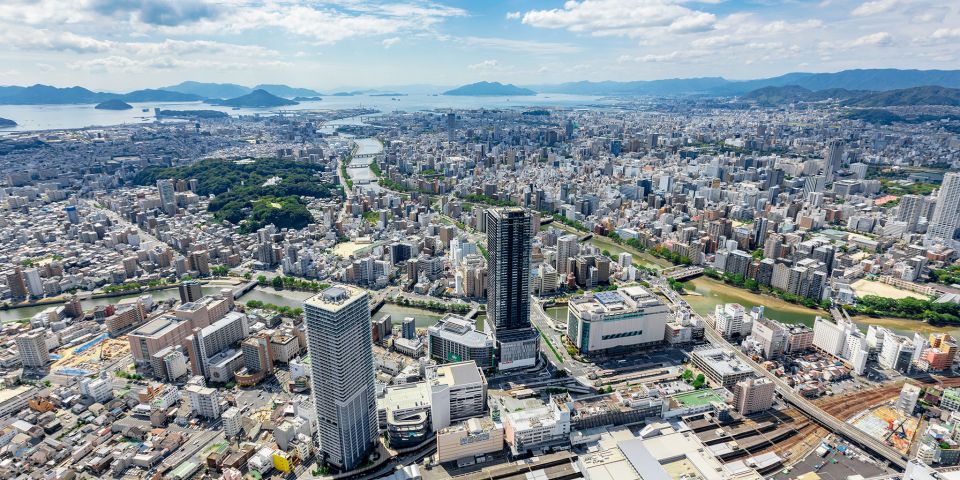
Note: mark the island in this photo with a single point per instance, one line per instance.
(191, 114)
(6, 122)
(255, 99)
(483, 89)
(307, 99)
(114, 104)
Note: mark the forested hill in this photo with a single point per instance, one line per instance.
(241, 194)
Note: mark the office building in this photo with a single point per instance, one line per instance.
(98, 389)
(408, 328)
(149, 339)
(341, 357)
(205, 343)
(721, 366)
(628, 317)
(508, 286)
(404, 414)
(456, 339)
(190, 291)
(257, 360)
(458, 391)
(469, 439)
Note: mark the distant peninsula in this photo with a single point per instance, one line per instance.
(206, 114)
(6, 122)
(490, 89)
(255, 99)
(114, 104)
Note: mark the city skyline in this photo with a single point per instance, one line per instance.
(116, 46)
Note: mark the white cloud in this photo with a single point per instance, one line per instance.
(879, 39)
(485, 65)
(513, 15)
(631, 18)
(525, 46)
(874, 7)
(944, 33)
(120, 64)
(389, 42)
(677, 56)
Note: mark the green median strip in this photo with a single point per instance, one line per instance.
(552, 348)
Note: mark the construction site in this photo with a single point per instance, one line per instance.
(89, 358)
(888, 425)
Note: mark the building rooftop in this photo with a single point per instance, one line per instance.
(157, 327)
(336, 297)
(453, 374)
(460, 330)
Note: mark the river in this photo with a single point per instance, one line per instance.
(56, 117)
(359, 167)
(22, 313)
(707, 293)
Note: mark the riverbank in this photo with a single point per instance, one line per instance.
(714, 292)
(640, 259)
(905, 326)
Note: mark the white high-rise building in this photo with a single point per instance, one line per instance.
(34, 282)
(567, 247)
(341, 357)
(731, 320)
(946, 215)
(33, 348)
(909, 396)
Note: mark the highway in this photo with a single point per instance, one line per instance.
(788, 394)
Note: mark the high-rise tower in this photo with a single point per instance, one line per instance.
(341, 357)
(508, 286)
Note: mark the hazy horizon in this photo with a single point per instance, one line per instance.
(122, 45)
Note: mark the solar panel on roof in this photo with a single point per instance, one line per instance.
(608, 298)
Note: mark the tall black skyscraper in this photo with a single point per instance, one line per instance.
(509, 231)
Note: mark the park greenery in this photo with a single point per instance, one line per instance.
(946, 276)
(133, 286)
(934, 313)
(251, 194)
(281, 309)
(292, 283)
(431, 305)
(697, 382)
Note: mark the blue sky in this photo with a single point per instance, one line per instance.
(126, 44)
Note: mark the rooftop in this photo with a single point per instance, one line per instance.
(336, 297)
(453, 374)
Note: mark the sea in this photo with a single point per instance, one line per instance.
(62, 117)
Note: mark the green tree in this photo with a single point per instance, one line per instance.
(277, 283)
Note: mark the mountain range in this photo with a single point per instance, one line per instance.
(834, 83)
(184, 92)
(925, 95)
